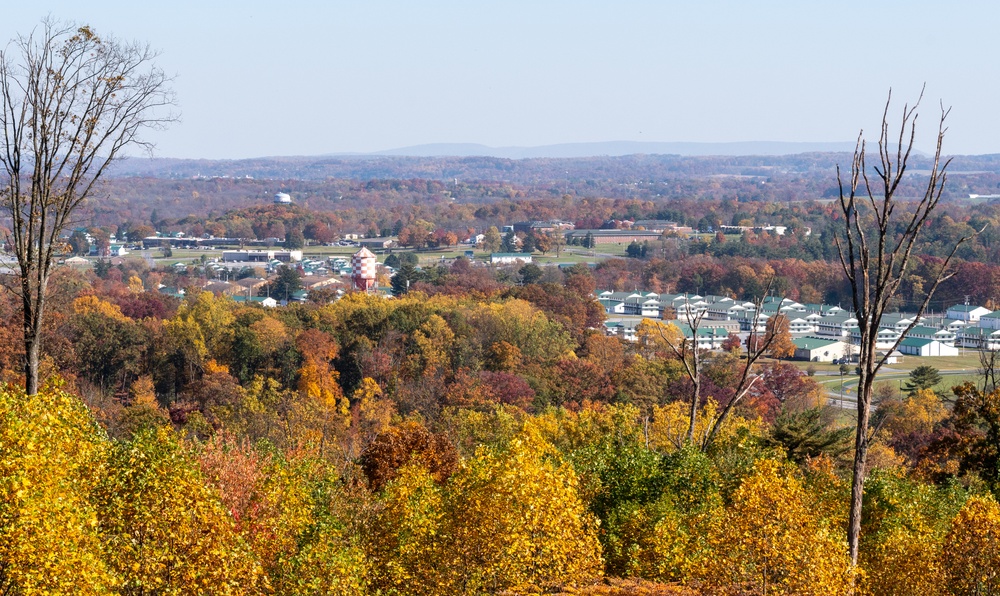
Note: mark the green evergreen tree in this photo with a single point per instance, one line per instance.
(79, 243)
(924, 376)
(287, 283)
(406, 275)
(806, 434)
(530, 273)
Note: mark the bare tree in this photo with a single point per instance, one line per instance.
(692, 360)
(756, 347)
(690, 357)
(72, 101)
(989, 364)
(875, 246)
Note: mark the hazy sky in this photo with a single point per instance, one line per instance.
(305, 78)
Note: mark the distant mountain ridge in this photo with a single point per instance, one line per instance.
(612, 149)
(530, 170)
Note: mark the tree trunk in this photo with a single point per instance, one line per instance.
(859, 470)
(32, 345)
(695, 398)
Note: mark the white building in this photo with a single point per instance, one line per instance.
(801, 325)
(979, 338)
(837, 325)
(899, 321)
(926, 347)
(942, 335)
(820, 349)
(967, 312)
(509, 258)
(261, 256)
(990, 320)
(614, 303)
(884, 339)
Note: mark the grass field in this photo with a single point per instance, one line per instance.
(968, 362)
(568, 255)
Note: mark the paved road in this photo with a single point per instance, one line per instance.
(848, 400)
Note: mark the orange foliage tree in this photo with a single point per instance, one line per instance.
(404, 444)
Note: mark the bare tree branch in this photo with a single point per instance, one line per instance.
(690, 358)
(755, 349)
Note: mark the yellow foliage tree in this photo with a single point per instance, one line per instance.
(326, 565)
(374, 412)
(905, 561)
(663, 544)
(143, 411)
(85, 305)
(781, 343)
(918, 412)
(433, 339)
(164, 529)
(507, 520)
(904, 533)
(770, 542)
(275, 511)
(468, 429)
(972, 549)
(318, 384)
(50, 452)
(521, 324)
(202, 326)
(270, 333)
(514, 520)
(569, 430)
(502, 356)
(135, 285)
(657, 337)
(318, 381)
(403, 543)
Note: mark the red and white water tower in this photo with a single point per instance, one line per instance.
(363, 265)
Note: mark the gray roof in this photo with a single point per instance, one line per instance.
(837, 319)
(964, 307)
(925, 330)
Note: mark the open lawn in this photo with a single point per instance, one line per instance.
(968, 362)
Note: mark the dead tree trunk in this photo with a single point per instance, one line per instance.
(875, 245)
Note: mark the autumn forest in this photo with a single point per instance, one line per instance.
(479, 432)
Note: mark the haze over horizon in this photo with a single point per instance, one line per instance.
(260, 79)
